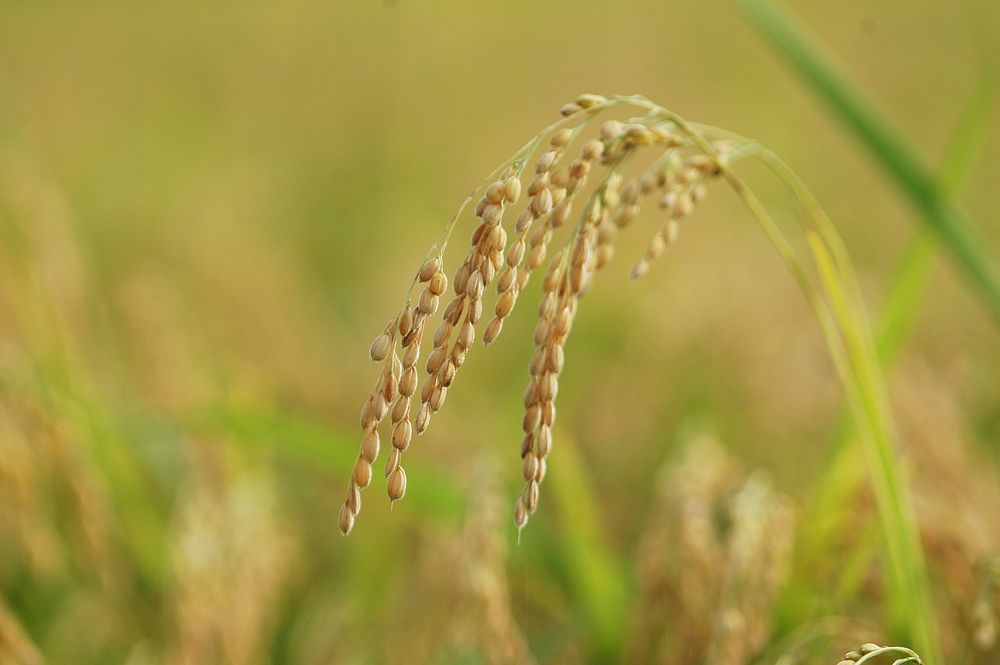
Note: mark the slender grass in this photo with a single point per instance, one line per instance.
(900, 308)
(54, 377)
(837, 303)
(597, 575)
(949, 222)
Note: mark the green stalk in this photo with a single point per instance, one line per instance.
(836, 300)
(599, 582)
(844, 475)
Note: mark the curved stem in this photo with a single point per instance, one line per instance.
(845, 327)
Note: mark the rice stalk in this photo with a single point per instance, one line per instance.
(833, 292)
(901, 303)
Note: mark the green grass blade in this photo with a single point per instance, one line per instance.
(949, 222)
(837, 302)
(912, 273)
(314, 444)
(826, 519)
(969, 136)
(599, 580)
(905, 293)
(912, 603)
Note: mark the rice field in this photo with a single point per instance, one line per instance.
(747, 250)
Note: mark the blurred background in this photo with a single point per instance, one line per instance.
(208, 210)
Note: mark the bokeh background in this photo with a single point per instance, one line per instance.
(207, 210)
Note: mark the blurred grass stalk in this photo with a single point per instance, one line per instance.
(599, 580)
(937, 210)
(901, 305)
(931, 196)
(836, 299)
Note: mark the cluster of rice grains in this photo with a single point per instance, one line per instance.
(680, 161)
(869, 652)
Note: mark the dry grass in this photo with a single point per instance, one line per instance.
(711, 562)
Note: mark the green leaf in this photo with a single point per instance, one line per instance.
(940, 214)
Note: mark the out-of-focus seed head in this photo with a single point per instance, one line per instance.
(543, 442)
(564, 322)
(520, 513)
(524, 220)
(538, 183)
(527, 444)
(531, 498)
(353, 501)
(532, 418)
(611, 129)
(589, 100)
(570, 109)
(546, 161)
(492, 214)
(579, 169)
(641, 134)
(529, 467)
(704, 164)
(560, 177)
(561, 138)
(593, 149)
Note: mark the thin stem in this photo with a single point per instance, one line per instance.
(849, 338)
